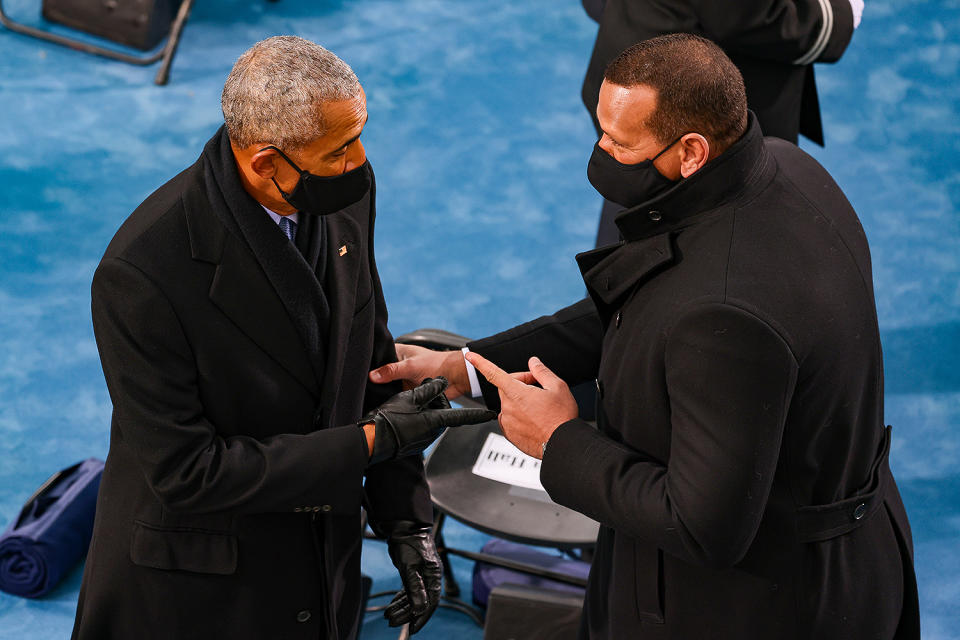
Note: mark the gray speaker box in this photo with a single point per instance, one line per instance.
(520, 612)
(136, 23)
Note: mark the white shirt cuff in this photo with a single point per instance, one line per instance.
(475, 391)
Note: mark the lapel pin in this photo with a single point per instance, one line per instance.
(343, 251)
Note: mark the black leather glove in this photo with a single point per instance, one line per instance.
(408, 422)
(414, 554)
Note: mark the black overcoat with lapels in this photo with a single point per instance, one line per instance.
(237, 366)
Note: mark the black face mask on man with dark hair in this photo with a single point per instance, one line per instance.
(323, 195)
(627, 184)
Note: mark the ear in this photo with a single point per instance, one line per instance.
(264, 163)
(694, 153)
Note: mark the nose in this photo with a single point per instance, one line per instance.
(606, 144)
(356, 156)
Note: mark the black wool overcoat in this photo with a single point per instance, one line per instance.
(774, 43)
(230, 501)
(739, 472)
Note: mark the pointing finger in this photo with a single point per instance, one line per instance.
(494, 374)
(460, 417)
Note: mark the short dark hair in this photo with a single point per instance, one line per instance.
(699, 89)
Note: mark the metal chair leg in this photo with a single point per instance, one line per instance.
(173, 40)
(450, 586)
(166, 54)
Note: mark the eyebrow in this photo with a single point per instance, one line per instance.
(354, 138)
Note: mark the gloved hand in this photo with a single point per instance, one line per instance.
(414, 554)
(408, 422)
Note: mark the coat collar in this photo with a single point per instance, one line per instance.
(611, 272)
(718, 182)
(272, 303)
(240, 288)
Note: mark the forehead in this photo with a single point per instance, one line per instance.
(343, 121)
(341, 115)
(625, 110)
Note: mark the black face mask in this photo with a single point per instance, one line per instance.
(627, 184)
(323, 195)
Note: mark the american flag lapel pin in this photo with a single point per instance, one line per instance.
(343, 251)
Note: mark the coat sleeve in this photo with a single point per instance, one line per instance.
(729, 378)
(395, 490)
(569, 342)
(152, 378)
(793, 31)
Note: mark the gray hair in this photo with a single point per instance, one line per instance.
(276, 88)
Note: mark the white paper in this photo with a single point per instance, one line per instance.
(501, 461)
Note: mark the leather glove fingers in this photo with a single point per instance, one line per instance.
(415, 556)
(415, 589)
(410, 421)
(429, 390)
(417, 432)
(398, 612)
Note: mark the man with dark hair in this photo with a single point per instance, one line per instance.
(696, 90)
(774, 44)
(237, 312)
(739, 470)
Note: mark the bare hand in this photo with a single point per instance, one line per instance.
(528, 414)
(417, 363)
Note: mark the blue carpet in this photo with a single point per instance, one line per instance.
(480, 145)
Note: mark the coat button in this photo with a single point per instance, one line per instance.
(297, 509)
(860, 511)
(303, 616)
(326, 508)
(654, 215)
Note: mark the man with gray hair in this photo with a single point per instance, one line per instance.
(237, 312)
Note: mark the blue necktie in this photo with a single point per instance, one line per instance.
(289, 228)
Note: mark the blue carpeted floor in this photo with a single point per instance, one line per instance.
(480, 145)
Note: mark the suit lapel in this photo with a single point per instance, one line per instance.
(342, 248)
(241, 290)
